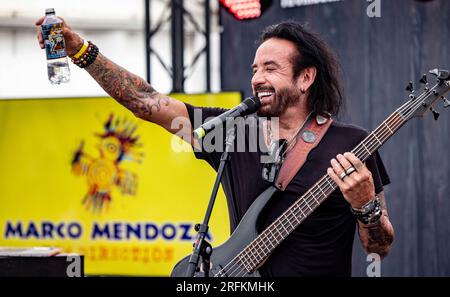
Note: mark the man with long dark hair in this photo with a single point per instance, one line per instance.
(296, 78)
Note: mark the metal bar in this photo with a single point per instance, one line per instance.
(147, 39)
(163, 64)
(159, 25)
(194, 23)
(190, 69)
(177, 47)
(208, 43)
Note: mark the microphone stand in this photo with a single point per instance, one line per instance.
(202, 248)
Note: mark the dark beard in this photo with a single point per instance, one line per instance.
(283, 99)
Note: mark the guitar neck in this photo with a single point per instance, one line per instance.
(272, 236)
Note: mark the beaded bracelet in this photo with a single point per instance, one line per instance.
(88, 57)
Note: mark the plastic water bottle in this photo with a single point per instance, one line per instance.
(57, 63)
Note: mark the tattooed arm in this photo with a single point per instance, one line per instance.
(377, 238)
(130, 90)
(136, 94)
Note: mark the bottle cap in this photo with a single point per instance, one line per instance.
(50, 11)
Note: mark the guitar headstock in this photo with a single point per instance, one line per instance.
(418, 105)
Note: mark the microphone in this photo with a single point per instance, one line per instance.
(248, 106)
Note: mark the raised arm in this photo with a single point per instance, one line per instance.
(130, 90)
(136, 94)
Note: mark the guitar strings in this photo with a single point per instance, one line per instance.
(299, 206)
(362, 148)
(252, 248)
(385, 136)
(284, 218)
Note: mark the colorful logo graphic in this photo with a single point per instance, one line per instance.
(117, 144)
(56, 38)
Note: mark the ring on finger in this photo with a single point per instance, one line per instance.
(342, 175)
(350, 170)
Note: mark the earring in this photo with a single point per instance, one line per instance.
(302, 90)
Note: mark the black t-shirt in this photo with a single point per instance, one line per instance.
(322, 244)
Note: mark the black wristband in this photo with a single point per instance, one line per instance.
(370, 213)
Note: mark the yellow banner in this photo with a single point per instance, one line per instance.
(85, 175)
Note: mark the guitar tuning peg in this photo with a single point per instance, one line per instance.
(446, 102)
(435, 113)
(423, 80)
(434, 71)
(410, 87)
(441, 74)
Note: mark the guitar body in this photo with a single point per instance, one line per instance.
(224, 254)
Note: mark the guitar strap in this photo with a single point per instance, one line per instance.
(309, 137)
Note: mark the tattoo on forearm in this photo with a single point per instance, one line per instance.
(128, 89)
(378, 238)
